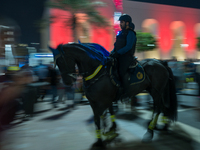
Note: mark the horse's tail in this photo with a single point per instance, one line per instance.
(172, 110)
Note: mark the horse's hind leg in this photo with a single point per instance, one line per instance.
(148, 136)
(165, 121)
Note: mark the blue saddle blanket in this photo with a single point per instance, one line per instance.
(96, 51)
(137, 74)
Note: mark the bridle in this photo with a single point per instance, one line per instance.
(63, 56)
(74, 75)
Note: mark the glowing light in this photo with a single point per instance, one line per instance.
(7, 46)
(196, 63)
(150, 45)
(35, 43)
(184, 45)
(44, 55)
(70, 42)
(118, 4)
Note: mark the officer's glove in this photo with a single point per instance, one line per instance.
(114, 55)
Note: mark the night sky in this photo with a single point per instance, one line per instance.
(182, 3)
(25, 13)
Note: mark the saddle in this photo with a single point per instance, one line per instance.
(135, 71)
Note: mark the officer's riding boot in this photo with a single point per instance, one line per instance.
(132, 66)
(120, 92)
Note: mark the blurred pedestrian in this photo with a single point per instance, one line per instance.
(11, 88)
(198, 82)
(70, 95)
(42, 73)
(61, 90)
(64, 91)
(12, 82)
(53, 80)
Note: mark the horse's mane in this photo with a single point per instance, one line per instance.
(93, 50)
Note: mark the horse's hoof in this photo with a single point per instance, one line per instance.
(148, 136)
(98, 144)
(156, 128)
(166, 127)
(148, 123)
(111, 137)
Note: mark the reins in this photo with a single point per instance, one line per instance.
(74, 75)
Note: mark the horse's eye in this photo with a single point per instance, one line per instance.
(60, 61)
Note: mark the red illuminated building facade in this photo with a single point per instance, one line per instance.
(175, 28)
(60, 33)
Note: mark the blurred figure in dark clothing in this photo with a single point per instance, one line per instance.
(52, 78)
(198, 82)
(197, 75)
(70, 95)
(42, 73)
(12, 86)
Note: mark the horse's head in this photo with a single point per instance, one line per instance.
(65, 63)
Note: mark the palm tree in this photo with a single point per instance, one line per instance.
(145, 42)
(87, 7)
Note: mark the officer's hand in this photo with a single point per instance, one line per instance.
(111, 55)
(112, 52)
(114, 55)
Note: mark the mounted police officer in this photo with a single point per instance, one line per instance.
(124, 47)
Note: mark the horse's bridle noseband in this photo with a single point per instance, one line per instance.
(62, 54)
(74, 75)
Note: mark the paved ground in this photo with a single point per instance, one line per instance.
(65, 128)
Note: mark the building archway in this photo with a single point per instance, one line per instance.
(197, 34)
(197, 29)
(83, 27)
(178, 37)
(151, 26)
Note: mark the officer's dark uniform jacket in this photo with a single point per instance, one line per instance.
(126, 59)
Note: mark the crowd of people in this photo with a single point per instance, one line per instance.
(21, 87)
(184, 72)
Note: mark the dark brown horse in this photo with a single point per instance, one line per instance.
(101, 92)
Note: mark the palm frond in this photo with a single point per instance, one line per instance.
(82, 6)
(145, 42)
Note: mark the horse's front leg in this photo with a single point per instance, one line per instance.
(111, 134)
(97, 113)
(99, 142)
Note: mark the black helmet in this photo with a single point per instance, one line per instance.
(125, 18)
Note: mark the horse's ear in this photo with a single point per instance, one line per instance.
(51, 48)
(54, 51)
(56, 54)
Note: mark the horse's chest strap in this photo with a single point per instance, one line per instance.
(94, 73)
(88, 84)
